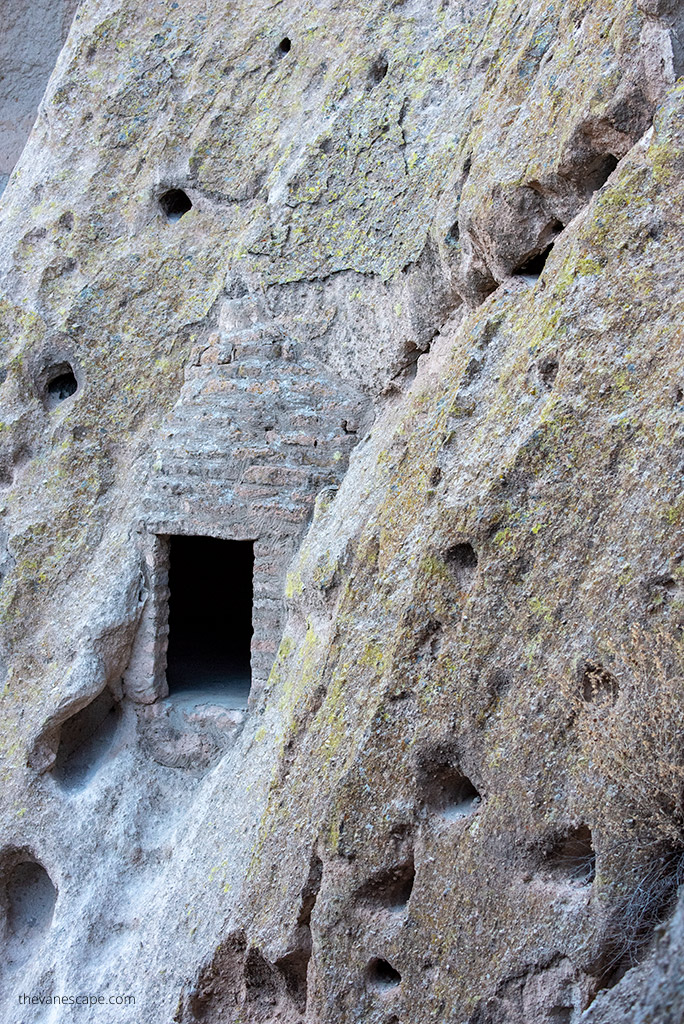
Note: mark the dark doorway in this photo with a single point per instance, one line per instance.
(210, 620)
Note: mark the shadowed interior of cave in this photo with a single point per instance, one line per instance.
(534, 265)
(175, 203)
(61, 384)
(210, 620)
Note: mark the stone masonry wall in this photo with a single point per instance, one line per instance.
(260, 429)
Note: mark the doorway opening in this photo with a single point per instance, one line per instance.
(210, 620)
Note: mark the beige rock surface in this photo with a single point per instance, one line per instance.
(417, 335)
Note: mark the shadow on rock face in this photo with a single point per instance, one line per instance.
(85, 740)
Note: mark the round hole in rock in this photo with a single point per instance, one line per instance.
(30, 899)
(61, 384)
(381, 975)
(284, 46)
(378, 71)
(461, 556)
(84, 741)
(175, 203)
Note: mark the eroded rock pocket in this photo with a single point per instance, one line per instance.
(461, 560)
(85, 740)
(570, 857)
(378, 71)
(390, 889)
(444, 790)
(60, 384)
(175, 203)
(28, 897)
(381, 976)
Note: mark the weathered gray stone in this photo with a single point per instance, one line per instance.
(415, 333)
(33, 32)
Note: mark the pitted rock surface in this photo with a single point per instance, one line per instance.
(393, 291)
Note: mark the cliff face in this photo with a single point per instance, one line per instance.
(32, 36)
(391, 293)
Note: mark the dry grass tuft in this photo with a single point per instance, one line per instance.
(632, 732)
(630, 724)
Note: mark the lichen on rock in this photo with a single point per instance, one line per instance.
(389, 293)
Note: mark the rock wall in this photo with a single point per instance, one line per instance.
(393, 291)
(33, 33)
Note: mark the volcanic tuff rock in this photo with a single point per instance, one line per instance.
(32, 36)
(392, 290)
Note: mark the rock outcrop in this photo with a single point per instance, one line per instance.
(390, 293)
